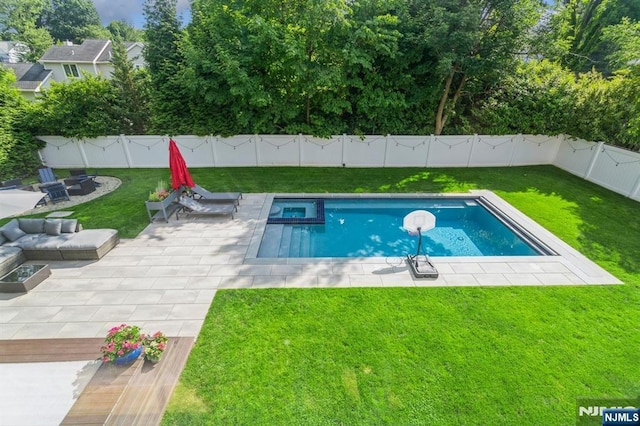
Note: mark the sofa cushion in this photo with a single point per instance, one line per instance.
(7, 253)
(43, 241)
(12, 231)
(10, 258)
(53, 226)
(69, 225)
(88, 239)
(3, 239)
(32, 226)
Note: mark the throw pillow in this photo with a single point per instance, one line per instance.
(69, 225)
(32, 226)
(12, 231)
(53, 226)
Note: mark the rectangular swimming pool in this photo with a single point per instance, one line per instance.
(372, 227)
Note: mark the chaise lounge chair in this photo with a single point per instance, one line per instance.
(189, 206)
(220, 197)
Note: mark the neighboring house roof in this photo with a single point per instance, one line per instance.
(29, 76)
(89, 51)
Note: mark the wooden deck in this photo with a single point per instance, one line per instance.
(133, 395)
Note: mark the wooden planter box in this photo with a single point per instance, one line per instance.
(163, 209)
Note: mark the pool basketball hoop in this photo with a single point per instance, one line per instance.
(415, 223)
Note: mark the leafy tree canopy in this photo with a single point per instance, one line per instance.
(82, 108)
(73, 20)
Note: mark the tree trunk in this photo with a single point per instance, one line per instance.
(442, 104)
(441, 115)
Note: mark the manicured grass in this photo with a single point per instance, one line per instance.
(445, 356)
(408, 356)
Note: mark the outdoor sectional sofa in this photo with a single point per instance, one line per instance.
(51, 239)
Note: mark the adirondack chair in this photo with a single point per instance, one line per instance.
(47, 175)
(55, 192)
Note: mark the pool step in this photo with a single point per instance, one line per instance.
(298, 243)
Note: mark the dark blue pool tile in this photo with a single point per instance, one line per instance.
(318, 220)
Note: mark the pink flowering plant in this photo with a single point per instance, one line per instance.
(120, 341)
(154, 345)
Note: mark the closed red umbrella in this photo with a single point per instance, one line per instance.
(179, 173)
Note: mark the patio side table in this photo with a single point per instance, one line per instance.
(24, 278)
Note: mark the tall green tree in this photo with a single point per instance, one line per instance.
(131, 92)
(19, 21)
(624, 39)
(378, 78)
(170, 102)
(573, 32)
(73, 20)
(17, 147)
(279, 64)
(466, 44)
(125, 31)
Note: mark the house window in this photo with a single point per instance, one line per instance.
(71, 70)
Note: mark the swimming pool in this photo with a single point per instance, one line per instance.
(372, 227)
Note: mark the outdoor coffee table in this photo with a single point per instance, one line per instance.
(24, 278)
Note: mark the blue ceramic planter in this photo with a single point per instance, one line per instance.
(128, 358)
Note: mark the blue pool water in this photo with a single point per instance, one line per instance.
(373, 227)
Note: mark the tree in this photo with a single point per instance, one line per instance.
(131, 92)
(19, 22)
(538, 98)
(625, 41)
(17, 147)
(607, 109)
(468, 43)
(73, 20)
(378, 79)
(169, 98)
(573, 33)
(82, 108)
(125, 31)
(282, 61)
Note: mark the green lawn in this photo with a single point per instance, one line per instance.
(507, 355)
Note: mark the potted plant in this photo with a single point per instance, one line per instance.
(154, 346)
(122, 345)
(160, 200)
(160, 193)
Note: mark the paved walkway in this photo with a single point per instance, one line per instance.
(166, 278)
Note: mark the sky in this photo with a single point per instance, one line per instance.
(131, 11)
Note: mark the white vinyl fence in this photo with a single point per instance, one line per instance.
(611, 167)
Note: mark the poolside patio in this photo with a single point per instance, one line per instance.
(166, 278)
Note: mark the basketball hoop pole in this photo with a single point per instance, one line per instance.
(416, 221)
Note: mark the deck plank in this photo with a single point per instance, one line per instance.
(50, 350)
